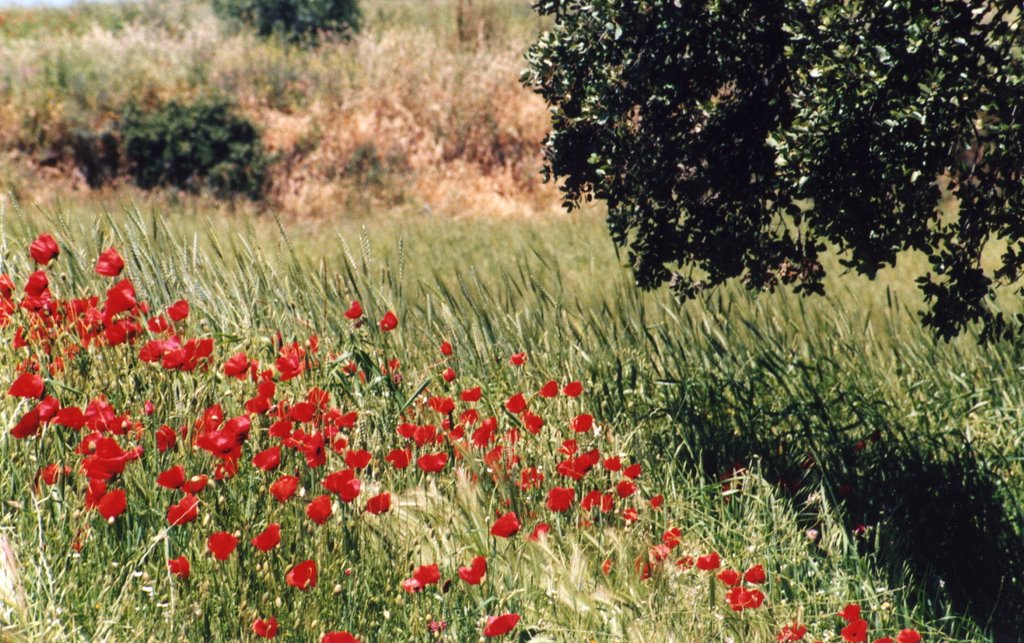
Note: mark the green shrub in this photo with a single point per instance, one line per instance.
(203, 145)
(296, 20)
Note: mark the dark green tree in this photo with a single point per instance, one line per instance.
(737, 139)
(296, 20)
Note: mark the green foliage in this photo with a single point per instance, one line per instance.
(295, 20)
(736, 139)
(195, 146)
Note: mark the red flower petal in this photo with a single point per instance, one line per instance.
(379, 504)
(319, 509)
(28, 385)
(506, 526)
(560, 499)
(221, 544)
(500, 625)
(389, 322)
(112, 504)
(268, 538)
(185, 511)
(265, 628)
(109, 263)
(179, 567)
(43, 249)
(302, 576)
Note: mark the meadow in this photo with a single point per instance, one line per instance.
(505, 438)
(723, 403)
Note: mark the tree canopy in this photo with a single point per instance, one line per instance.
(738, 139)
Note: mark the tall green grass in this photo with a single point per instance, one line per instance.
(694, 390)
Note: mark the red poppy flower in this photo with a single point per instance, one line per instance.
(446, 349)
(172, 478)
(265, 628)
(94, 492)
(474, 574)
(112, 504)
(625, 489)
(516, 404)
(284, 488)
(426, 574)
(411, 585)
(379, 504)
(792, 633)
(471, 395)
(582, 423)
(740, 598)
(729, 577)
(500, 625)
(179, 310)
(179, 567)
(432, 463)
(355, 311)
(268, 459)
(302, 576)
(573, 389)
(506, 526)
(448, 374)
(633, 471)
(856, 631)
(51, 472)
(165, 438)
(196, 483)
(709, 562)
(358, 459)
(518, 359)
(185, 511)
(36, 286)
(71, 417)
(120, 297)
(319, 509)
(221, 544)
(754, 575)
(533, 423)
(850, 613)
(399, 458)
(338, 637)
(388, 322)
(43, 249)
(560, 499)
(550, 389)
(269, 538)
(908, 636)
(28, 385)
(109, 263)
(343, 483)
(236, 366)
(540, 531)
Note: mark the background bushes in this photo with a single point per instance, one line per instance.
(197, 146)
(295, 20)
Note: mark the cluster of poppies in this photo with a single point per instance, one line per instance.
(443, 430)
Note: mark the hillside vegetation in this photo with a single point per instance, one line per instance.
(422, 110)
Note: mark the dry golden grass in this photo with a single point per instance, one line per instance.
(412, 114)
